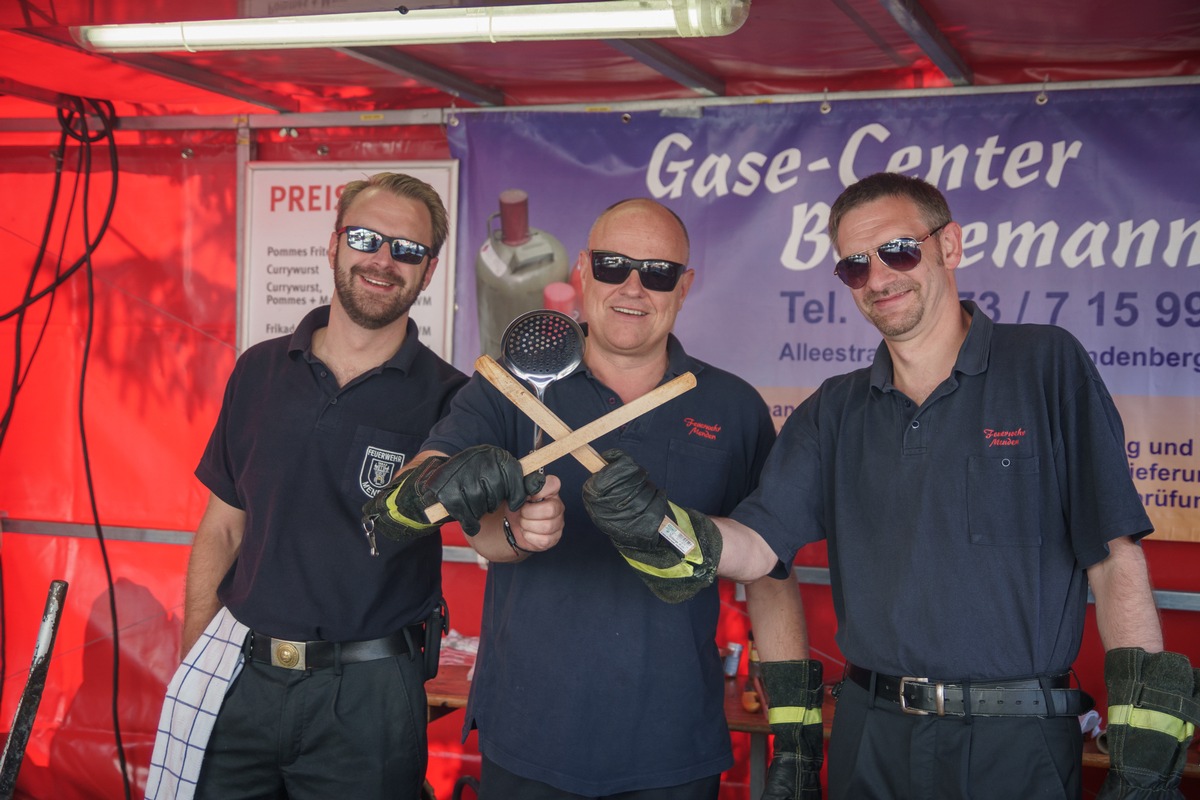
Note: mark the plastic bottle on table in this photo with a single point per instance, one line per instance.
(750, 699)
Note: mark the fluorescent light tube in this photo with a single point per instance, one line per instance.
(608, 19)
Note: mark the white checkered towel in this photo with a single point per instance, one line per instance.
(189, 711)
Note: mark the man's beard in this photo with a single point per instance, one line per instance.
(369, 311)
(894, 326)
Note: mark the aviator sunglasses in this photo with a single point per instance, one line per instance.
(656, 274)
(365, 240)
(900, 254)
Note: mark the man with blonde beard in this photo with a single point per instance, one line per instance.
(329, 699)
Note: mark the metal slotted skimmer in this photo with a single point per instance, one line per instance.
(541, 347)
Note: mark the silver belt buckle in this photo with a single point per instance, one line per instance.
(289, 655)
(939, 697)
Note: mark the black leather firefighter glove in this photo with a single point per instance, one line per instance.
(795, 692)
(629, 509)
(470, 485)
(1153, 710)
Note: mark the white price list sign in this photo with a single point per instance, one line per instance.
(290, 210)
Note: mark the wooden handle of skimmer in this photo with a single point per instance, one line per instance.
(567, 441)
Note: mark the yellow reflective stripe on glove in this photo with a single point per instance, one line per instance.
(794, 714)
(394, 512)
(1148, 720)
(686, 567)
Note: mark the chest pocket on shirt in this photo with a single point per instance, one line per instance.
(697, 476)
(1002, 502)
(375, 457)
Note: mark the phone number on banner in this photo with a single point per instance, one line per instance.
(1122, 309)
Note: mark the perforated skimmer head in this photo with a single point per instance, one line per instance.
(542, 346)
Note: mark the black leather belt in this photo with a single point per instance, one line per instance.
(316, 655)
(1028, 697)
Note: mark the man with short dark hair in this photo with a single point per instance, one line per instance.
(971, 485)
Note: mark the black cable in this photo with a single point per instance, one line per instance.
(26, 300)
(73, 122)
(107, 116)
(58, 281)
(62, 245)
(41, 337)
(18, 380)
(66, 120)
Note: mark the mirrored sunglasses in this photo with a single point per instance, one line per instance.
(900, 254)
(365, 240)
(656, 274)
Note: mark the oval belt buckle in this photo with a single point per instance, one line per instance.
(289, 655)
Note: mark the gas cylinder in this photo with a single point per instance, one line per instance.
(514, 266)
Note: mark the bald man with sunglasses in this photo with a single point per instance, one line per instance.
(587, 685)
(303, 645)
(971, 484)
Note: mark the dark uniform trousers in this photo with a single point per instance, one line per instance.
(878, 752)
(346, 731)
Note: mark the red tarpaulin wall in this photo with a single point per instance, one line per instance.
(165, 313)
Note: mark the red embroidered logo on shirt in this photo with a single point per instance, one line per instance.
(997, 438)
(702, 429)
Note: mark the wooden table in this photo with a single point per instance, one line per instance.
(449, 690)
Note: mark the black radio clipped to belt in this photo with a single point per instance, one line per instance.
(437, 624)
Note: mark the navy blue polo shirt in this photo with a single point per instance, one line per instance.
(585, 680)
(301, 456)
(959, 530)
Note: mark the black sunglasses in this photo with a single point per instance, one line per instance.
(900, 254)
(656, 274)
(406, 251)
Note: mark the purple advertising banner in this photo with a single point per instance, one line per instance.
(1080, 209)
